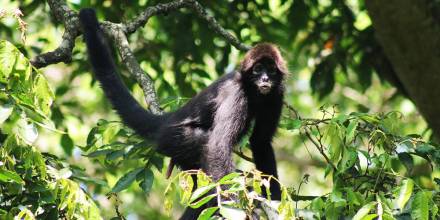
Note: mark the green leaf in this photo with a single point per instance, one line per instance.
(323, 78)
(8, 56)
(115, 155)
(168, 203)
(337, 199)
(349, 158)
(99, 153)
(157, 161)
(232, 213)
(199, 192)
(27, 131)
(5, 112)
(363, 212)
(420, 206)
(335, 147)
(391, 121)
(434, 210)
(91, 139)
(202, 201)
(43, 94)
(317, 204)
(293, 124)
(126, 180)
(369, 118)
(110, 132)
(228, 177)
(354, 198)
(202, 179)
(256, 183)
(6, 176)
(147, 180)
(371, 217)
(333, 212)
(67, 144)
(405, 192)
(350, 131)
(425, 149)
(207, 213)
(186, 185)
(340, 119)
(39, 163)
(407, 161)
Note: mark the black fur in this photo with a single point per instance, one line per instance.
(202, 133)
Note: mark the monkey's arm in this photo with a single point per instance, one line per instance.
(261, 145)
(105, 71)
(229, 123)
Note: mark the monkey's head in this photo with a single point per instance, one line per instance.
(264, 68)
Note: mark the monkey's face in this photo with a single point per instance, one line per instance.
(265, 75)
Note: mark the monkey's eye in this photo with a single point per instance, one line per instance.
(272, 70)
(257, 69)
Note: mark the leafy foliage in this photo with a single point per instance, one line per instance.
(363, 156)
(361, 165)
(32, 184)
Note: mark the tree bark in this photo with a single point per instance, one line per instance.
(410, 36)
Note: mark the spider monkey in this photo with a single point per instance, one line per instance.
(202, 133)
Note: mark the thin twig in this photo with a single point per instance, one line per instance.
(320, 149)
(318, 145)
(242, 155)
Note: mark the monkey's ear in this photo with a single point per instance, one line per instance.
(263, 50)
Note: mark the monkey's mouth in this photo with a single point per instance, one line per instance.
(264, 88)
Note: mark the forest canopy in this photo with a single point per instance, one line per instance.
(358, 136)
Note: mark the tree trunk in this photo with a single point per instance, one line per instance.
(410, 36)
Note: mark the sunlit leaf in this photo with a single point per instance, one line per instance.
(186, 185)
(350, 132)
(363, 212)
(202, 201)
(207, 213)
(231, 213)
(228, 177)
(5, 112)
(335, 148)
(6, 176)
(199, 192)
(43, 94)
(8, 56)
(420, 206)
(27, 131)
(405, 192)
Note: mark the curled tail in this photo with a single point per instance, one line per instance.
(134, 115)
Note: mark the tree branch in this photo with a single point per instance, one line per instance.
(72, 30)
(201, 12)
(242, 155)
(138, 22)
(142, 19)
(115, 31)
